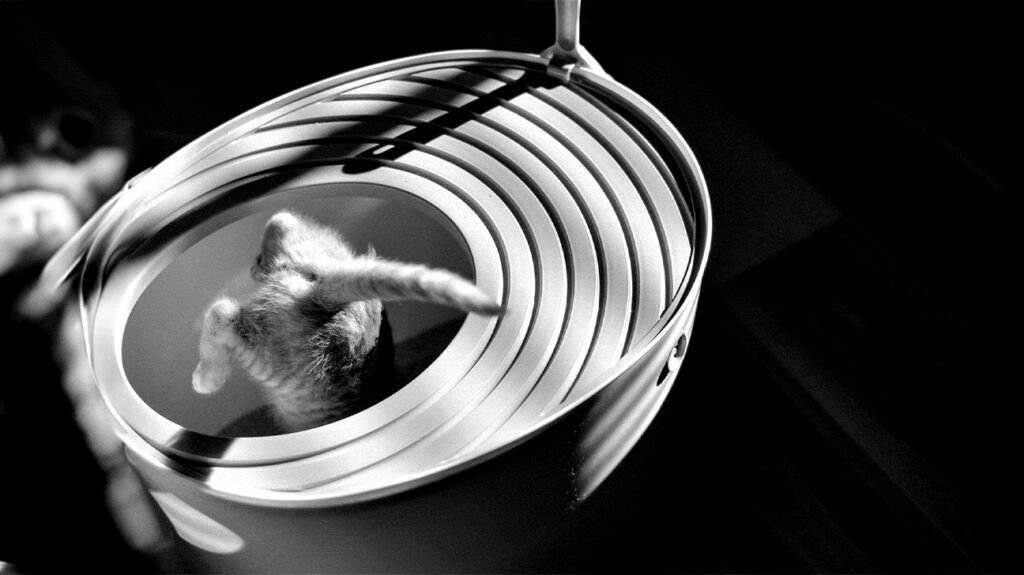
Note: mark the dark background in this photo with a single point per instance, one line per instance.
(848, 402)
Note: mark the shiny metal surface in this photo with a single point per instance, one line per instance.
(576, 203)
(567, 54)
(568, 211)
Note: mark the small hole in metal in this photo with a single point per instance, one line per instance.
(675, 360)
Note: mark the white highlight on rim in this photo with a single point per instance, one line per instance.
(568, 216)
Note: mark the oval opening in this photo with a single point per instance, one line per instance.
(161, 337)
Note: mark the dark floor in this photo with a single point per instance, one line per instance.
(847, 403)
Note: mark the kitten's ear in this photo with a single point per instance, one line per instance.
(275, 234)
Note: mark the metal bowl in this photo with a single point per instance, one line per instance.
(563, 192)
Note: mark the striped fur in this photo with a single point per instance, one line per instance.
(315, 334)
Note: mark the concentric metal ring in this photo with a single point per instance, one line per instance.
(579, 205)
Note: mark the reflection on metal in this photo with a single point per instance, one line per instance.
(567, 54)
(197, 528)
(579, 205)
(621, 413)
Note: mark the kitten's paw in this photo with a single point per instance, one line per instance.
(207, 379)
(470, 298)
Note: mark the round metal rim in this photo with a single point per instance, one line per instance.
(669, 324)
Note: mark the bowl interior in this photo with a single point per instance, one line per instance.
(160, 346)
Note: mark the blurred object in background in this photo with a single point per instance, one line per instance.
(64, 148)
(68, 495)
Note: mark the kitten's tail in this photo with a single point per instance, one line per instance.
(371, 278)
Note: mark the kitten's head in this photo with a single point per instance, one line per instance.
(297, 253)
(292, 243)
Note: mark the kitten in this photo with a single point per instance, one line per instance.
(315, 335)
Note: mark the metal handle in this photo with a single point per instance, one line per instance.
(567, 54)
(567, 25)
